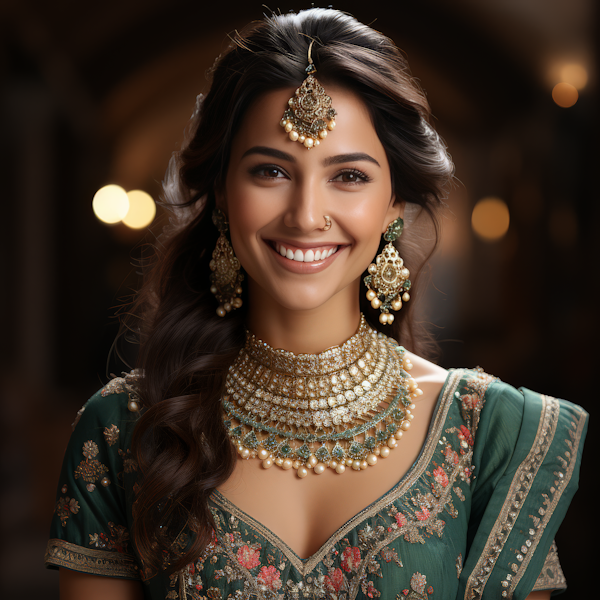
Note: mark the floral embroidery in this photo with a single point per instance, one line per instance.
(440, 476)
(269, 577)
(90, 469)
(400, 519)
(335, 582)
(249, 557)
(417, 589)
(117, 540)
(423, 514)
(459, 565)
(350, 559)
(65, 507)
(111, 435)
(390, 554)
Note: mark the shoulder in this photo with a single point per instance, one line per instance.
(118, 400)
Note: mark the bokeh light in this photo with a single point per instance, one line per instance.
(490, 219)
(565, 94)
(142, 209)
(575, 74)
(110, 204)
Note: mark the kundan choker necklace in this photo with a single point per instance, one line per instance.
(345, 407)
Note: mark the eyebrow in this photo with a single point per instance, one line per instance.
(328, 161)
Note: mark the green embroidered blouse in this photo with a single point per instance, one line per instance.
(474, 517)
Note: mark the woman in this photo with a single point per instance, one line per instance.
(259, 372)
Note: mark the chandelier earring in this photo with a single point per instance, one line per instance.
(226, 276)
(388, 280)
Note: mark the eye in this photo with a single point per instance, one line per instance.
(268, 172)
(351, 177)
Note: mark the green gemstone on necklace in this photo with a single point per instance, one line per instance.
(356, 450)
(285, 450)
(303, 452)
(338, 452)
(271, 443)
(370, 443)
(323, 454)
(250, 441)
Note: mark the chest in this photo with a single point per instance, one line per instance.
(305, 513)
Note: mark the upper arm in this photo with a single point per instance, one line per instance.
(541, 595)
(77, 586)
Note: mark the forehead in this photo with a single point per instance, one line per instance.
(354, 131)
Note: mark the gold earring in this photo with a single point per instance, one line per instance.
(327, 225)
(310, 114)
(226, 276)
(388, 280)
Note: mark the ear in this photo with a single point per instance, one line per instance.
(395, 210)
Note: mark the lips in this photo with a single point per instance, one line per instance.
(306, 255)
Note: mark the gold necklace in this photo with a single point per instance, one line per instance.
(344, 407)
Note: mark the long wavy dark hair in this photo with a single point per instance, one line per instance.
(185, 349)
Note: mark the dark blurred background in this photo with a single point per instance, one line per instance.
(98, 93)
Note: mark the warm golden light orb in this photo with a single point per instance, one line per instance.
(490, 219)
(142, 210)
(110, 204)
(565, 94)
(575, 74)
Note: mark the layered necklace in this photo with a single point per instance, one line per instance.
(345, 407)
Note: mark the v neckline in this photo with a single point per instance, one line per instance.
(306, 565)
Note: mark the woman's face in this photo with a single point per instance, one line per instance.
(277, 193)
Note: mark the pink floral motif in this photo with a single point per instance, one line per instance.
(370, 590)
(351, 559)
(466, 435)
(400, 519)
(470, 401)
(248, 557)
(440, 476)
(422, 514)
(269, 577)
(451, 455)
(334, 581)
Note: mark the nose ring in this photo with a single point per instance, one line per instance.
(327, 225)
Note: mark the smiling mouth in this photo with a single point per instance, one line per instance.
(307, 254)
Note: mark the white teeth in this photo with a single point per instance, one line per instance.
(308, 256)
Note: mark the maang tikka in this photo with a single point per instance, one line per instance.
(226, 276)
(388, 280)
(310, 114)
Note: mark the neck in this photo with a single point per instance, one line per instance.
(308, 331)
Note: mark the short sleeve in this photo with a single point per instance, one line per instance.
(527, 455)
(90, 526)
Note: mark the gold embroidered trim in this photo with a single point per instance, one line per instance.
(560, 484)
(85, 560)
(413, 474)
(552, 576)
(520, 486)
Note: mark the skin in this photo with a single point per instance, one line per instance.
(276, 192)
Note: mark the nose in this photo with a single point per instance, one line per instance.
(306, 207)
